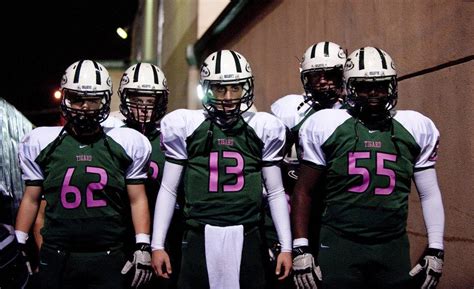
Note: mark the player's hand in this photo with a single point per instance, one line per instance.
(25, 259)
(283, 265)
(306, 272)
(141, 263)
(430, 266)
(161, 264)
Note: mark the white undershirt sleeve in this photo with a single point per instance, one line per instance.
(165, 204)
(432, 205)
(278, 205)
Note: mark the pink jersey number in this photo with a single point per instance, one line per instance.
(67, 188)
(236, 170)
(380, 170)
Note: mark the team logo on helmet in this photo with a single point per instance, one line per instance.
(165, 83)
(393, 65)
(63, 80)
(247, 67)
(349, 64)
(205, 72)
(125, 80)
(109, 81)
(341, 54)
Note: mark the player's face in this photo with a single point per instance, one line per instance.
(323, 80)
(85, 103)
(141, 107)
(373, 94)
(228, 96)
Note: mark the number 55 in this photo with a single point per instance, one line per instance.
(380, 170)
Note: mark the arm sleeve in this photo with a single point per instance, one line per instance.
(432, 205)
(278, 205)
(165, 203)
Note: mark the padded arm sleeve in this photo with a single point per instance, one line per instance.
(165, 203)
(278, 205)
(432, 205)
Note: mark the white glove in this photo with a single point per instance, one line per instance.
(141, 262)
(306, 274)
(431, 266)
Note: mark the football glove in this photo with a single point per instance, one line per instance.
(273, 252)
(306, 272)
(430, 266)
(141, 263)
(25, 259)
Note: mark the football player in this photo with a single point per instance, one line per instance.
(321, 71)
(143, 95)
(91, 178)
(225, 150)
(369, 155)
(321, 75)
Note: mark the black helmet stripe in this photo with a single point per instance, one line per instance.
(237, 62)
(218, 62)
(78, 71)
(137, 71)
(97, 73)
(326, 49)
(155, 74)
(313, 51)
(361, 59)
(384, 61)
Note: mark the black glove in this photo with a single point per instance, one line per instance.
(273, 252)
(430, 266)
(141, 262)
(306, 272)
(15, 267)
(24, 257)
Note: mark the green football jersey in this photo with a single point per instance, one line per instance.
(84, 185)
(368, 173)
(222, 179)
(155, 172)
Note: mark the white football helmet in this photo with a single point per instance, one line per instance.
(323, 59)
(226, 67)
(143, 80)
(86, 79)
(370, 64)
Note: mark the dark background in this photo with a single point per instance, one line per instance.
(42, 38)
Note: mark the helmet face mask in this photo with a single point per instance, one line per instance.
(323, 87)
(144, 106)
(86, 90)
(321, 74)
(371, 82)
(227, 85)
(143, 95)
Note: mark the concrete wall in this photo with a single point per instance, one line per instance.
(180, 30)
(418, 34)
